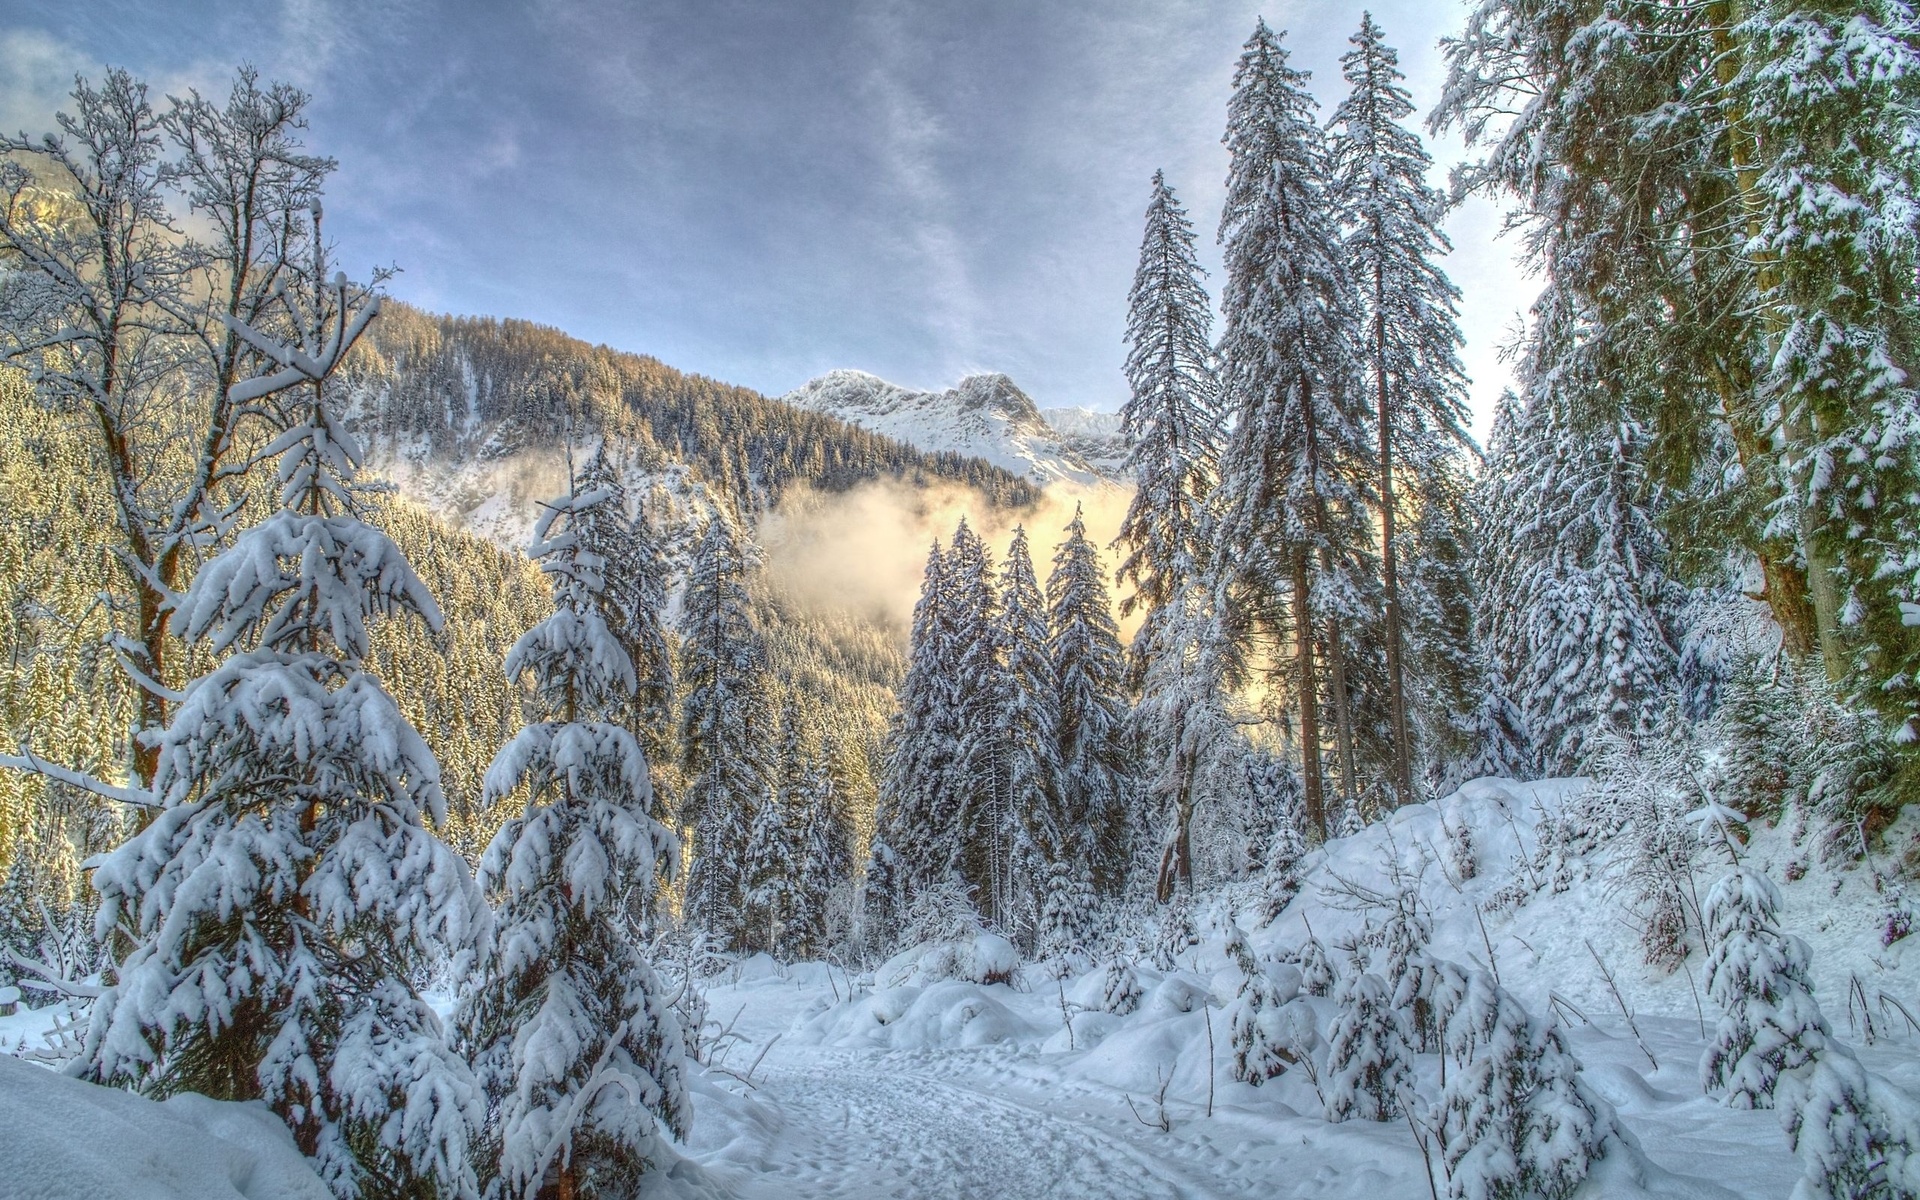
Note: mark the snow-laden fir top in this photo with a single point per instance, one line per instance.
(986, 416)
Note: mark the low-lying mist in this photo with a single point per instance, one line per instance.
(865, 550)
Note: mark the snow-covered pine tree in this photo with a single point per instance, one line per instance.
(1190, 748)
(1120, 991)
(568, 1027)
(1067, 916)
(1171, 418)
(982, 837)
(1516, 1118)
(1083, 646)
(823, 851)
(1176, 933)
(720, 667)
(291, 860)
(1391, 218)
(633, 601)
(1317, 975)
(1581, 610)
(1369, 1063)
(1830, 96)
(1260, 1049)
(1757, 975)
(1027, 725)
(1297, 469)
(910, 843)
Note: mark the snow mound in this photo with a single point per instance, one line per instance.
(942, 1015)
(68, 1140)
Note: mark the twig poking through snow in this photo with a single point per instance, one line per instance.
(1614, 988)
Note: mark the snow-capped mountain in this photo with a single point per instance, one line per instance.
(984, 416)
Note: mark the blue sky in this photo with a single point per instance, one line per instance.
(762, 192)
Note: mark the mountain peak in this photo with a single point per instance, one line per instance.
(985, 415)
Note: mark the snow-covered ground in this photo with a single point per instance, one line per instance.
(914, 1081)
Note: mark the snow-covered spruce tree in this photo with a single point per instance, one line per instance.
(1260, 1047)
(1317, 975)
(1757, 975)
(633, 602)
(1410, 974)
(1830, 100)
(1580, 610)
(823, 847)
(1517, 1121)
(1176, 934)
(1120, 991)
(1067, 914)
(1190, 747)
(984, 837)
(1171, 418)
(914, 841)
(1369, 1063)
(720, 666)
(1090, 709)
(568, 1027)
(287, 893)
(1027, 726)
(1412, 338)
(1296, 471)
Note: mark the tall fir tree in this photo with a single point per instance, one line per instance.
(722, 662)
(1088, 674)
(568, 1027)
(1412, 337)
(1172, 418)
(1028, 725)
(1298, 465)
(290, 859)
(981, 832)
(914, 822)
(632, 601)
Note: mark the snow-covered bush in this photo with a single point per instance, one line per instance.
(1856, 1135)
(1369, 1064)
(288, 892)
(1770, 1022)
(568, 1027)
(1254, 1028)
(1317, 975)
(1120, 990)
(1066, 913)
(1409, 973)
(1516, 1121)
(1177, 933)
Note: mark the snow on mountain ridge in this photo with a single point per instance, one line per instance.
(985, 416)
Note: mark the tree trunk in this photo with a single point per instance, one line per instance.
(1389, 570)
(1313, 788)
(1342, 716)
(1822, 593)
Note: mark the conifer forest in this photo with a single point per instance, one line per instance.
(448, 759)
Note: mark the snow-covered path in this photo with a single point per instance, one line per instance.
(862, 1124)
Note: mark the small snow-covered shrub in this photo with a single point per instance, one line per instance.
(1856, 1134)
(1316, 969)
(1177, 933)
(1517, 1121)
(1770, 1022)
(1255, 1031)
(1067, 913)
(1120, 991)
(1369, 1064)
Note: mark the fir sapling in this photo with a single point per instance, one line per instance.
(1757, 975)
(1369, 1063)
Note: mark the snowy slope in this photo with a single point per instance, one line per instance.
(1094, 435)
(984, 416)
(914, 1081)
